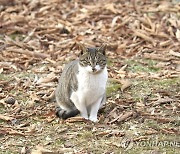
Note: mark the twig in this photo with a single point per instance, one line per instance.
(29, 53)
(177, 54)
(159, 119)
(122, 117)
(139, 33)
(6, 118)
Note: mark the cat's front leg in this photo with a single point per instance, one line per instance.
(79, 102)
(84, 113)
(82, 108)
(94, 110)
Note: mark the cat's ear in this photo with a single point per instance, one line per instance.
(102, 49)
(82, 48)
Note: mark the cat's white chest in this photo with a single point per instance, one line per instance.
(91, 86)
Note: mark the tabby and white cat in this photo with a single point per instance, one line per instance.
(82, 85)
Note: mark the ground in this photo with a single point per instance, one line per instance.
(141, 115)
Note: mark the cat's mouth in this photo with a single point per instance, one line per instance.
(95, 71)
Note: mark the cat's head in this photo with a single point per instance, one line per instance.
(93, 59)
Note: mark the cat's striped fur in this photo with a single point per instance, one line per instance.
(90, 67)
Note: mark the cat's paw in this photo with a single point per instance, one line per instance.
(93, 119)
(84, 116)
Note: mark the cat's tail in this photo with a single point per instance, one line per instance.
(66, 114)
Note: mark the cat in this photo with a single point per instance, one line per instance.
(82, 85)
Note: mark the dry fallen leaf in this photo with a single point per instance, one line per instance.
(31, 128)
(6, 118)
(76, 119)
(140, 105)
(125, 84)
(177, 54)
(49, 78)
(162, 101)
(11, 131)
(41, 150)
(121, 117)
(111, 7)
(178, 34)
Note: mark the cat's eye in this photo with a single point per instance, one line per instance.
(85, 62)
(102, 62)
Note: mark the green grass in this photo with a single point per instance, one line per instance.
(141, 88)
(9, 77)
(60, 141)
(2, 110)
(109, 62)
(141, 66)
(112, 88)
(15, 35)
(6, 77)
(6, 152)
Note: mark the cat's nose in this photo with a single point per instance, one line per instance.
(93, 69)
